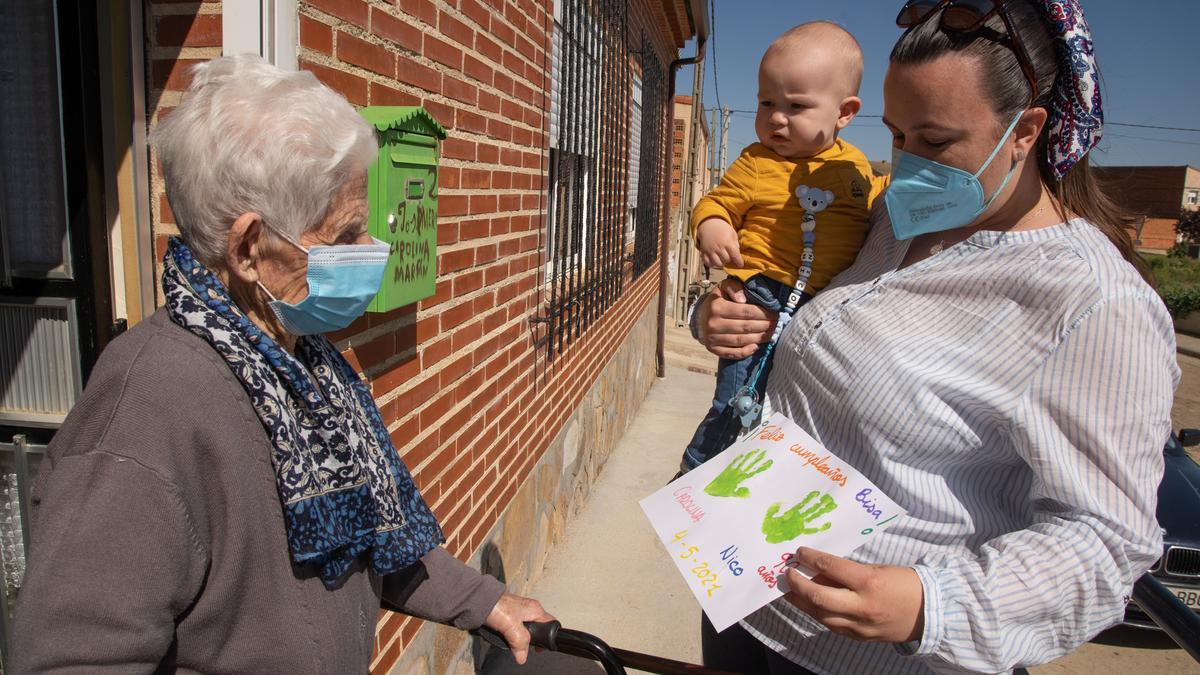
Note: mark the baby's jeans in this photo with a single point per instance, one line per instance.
(721, 424)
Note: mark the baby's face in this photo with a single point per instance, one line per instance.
(799, 103)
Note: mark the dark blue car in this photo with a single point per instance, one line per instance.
(1179, 517)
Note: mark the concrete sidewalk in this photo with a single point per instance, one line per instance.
(1187, 345)
(609, 575)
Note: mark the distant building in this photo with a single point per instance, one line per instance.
(680, 137)
(686, 263)
(1156, 195)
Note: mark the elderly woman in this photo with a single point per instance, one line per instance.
(225, 496)
(995, 361)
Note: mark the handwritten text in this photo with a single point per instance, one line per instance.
(684, 498)
(821, 464)
(770, 432)
(867, 504)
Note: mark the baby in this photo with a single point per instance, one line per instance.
(793, 206)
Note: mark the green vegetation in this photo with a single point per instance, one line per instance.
(1189, 225)
(1178, 280)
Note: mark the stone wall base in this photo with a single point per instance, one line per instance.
(556, 490)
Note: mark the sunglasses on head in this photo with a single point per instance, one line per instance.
(969, 16)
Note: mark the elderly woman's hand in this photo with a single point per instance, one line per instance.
(508, 618)
(729, 326)
(877, 603)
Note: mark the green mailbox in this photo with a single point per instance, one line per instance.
(402, 189)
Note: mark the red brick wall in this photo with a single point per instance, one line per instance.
(678, 147)
(178, 36)
(1158, 234)
(1155, 191)
(471, 403)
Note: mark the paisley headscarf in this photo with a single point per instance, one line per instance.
(1076, 115)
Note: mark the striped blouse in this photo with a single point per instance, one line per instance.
(1013, 394)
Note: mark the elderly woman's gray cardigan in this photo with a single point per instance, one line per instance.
(158, 541)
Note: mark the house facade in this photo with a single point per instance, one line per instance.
(683, 137)
(505, 389)
(1156, 195)
(690, 180)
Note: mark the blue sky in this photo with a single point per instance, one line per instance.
(1148, 54)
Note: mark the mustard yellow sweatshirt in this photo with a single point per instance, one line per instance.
(757, 195)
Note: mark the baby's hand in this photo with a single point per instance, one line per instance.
(718, 244)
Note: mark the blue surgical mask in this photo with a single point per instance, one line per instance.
(342, 281)
(925, 196)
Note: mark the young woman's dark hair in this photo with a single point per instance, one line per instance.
(1079, 191)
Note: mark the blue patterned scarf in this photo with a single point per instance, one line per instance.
(1076, 112)
(345, 492)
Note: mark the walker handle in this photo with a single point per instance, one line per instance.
(541, 634)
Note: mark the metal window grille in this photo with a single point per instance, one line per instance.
(19, 461)
(635, 155)
(650, 179)
(589, 154)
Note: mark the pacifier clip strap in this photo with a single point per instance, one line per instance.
(745, 402)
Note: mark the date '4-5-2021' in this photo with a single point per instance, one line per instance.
(701, 569)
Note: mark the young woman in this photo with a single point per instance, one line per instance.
(996, 361)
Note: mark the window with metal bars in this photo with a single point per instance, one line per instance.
(651, 179)
(603, 175)
(635, 156)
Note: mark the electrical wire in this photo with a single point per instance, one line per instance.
(1150, 126)
(1107, 135)
(1156, 140)
(1107, 124)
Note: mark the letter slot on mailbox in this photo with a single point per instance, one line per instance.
(402, 189)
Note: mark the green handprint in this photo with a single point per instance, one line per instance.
(794, 522)
(743, 467)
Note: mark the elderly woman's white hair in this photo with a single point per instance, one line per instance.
(249, 137)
